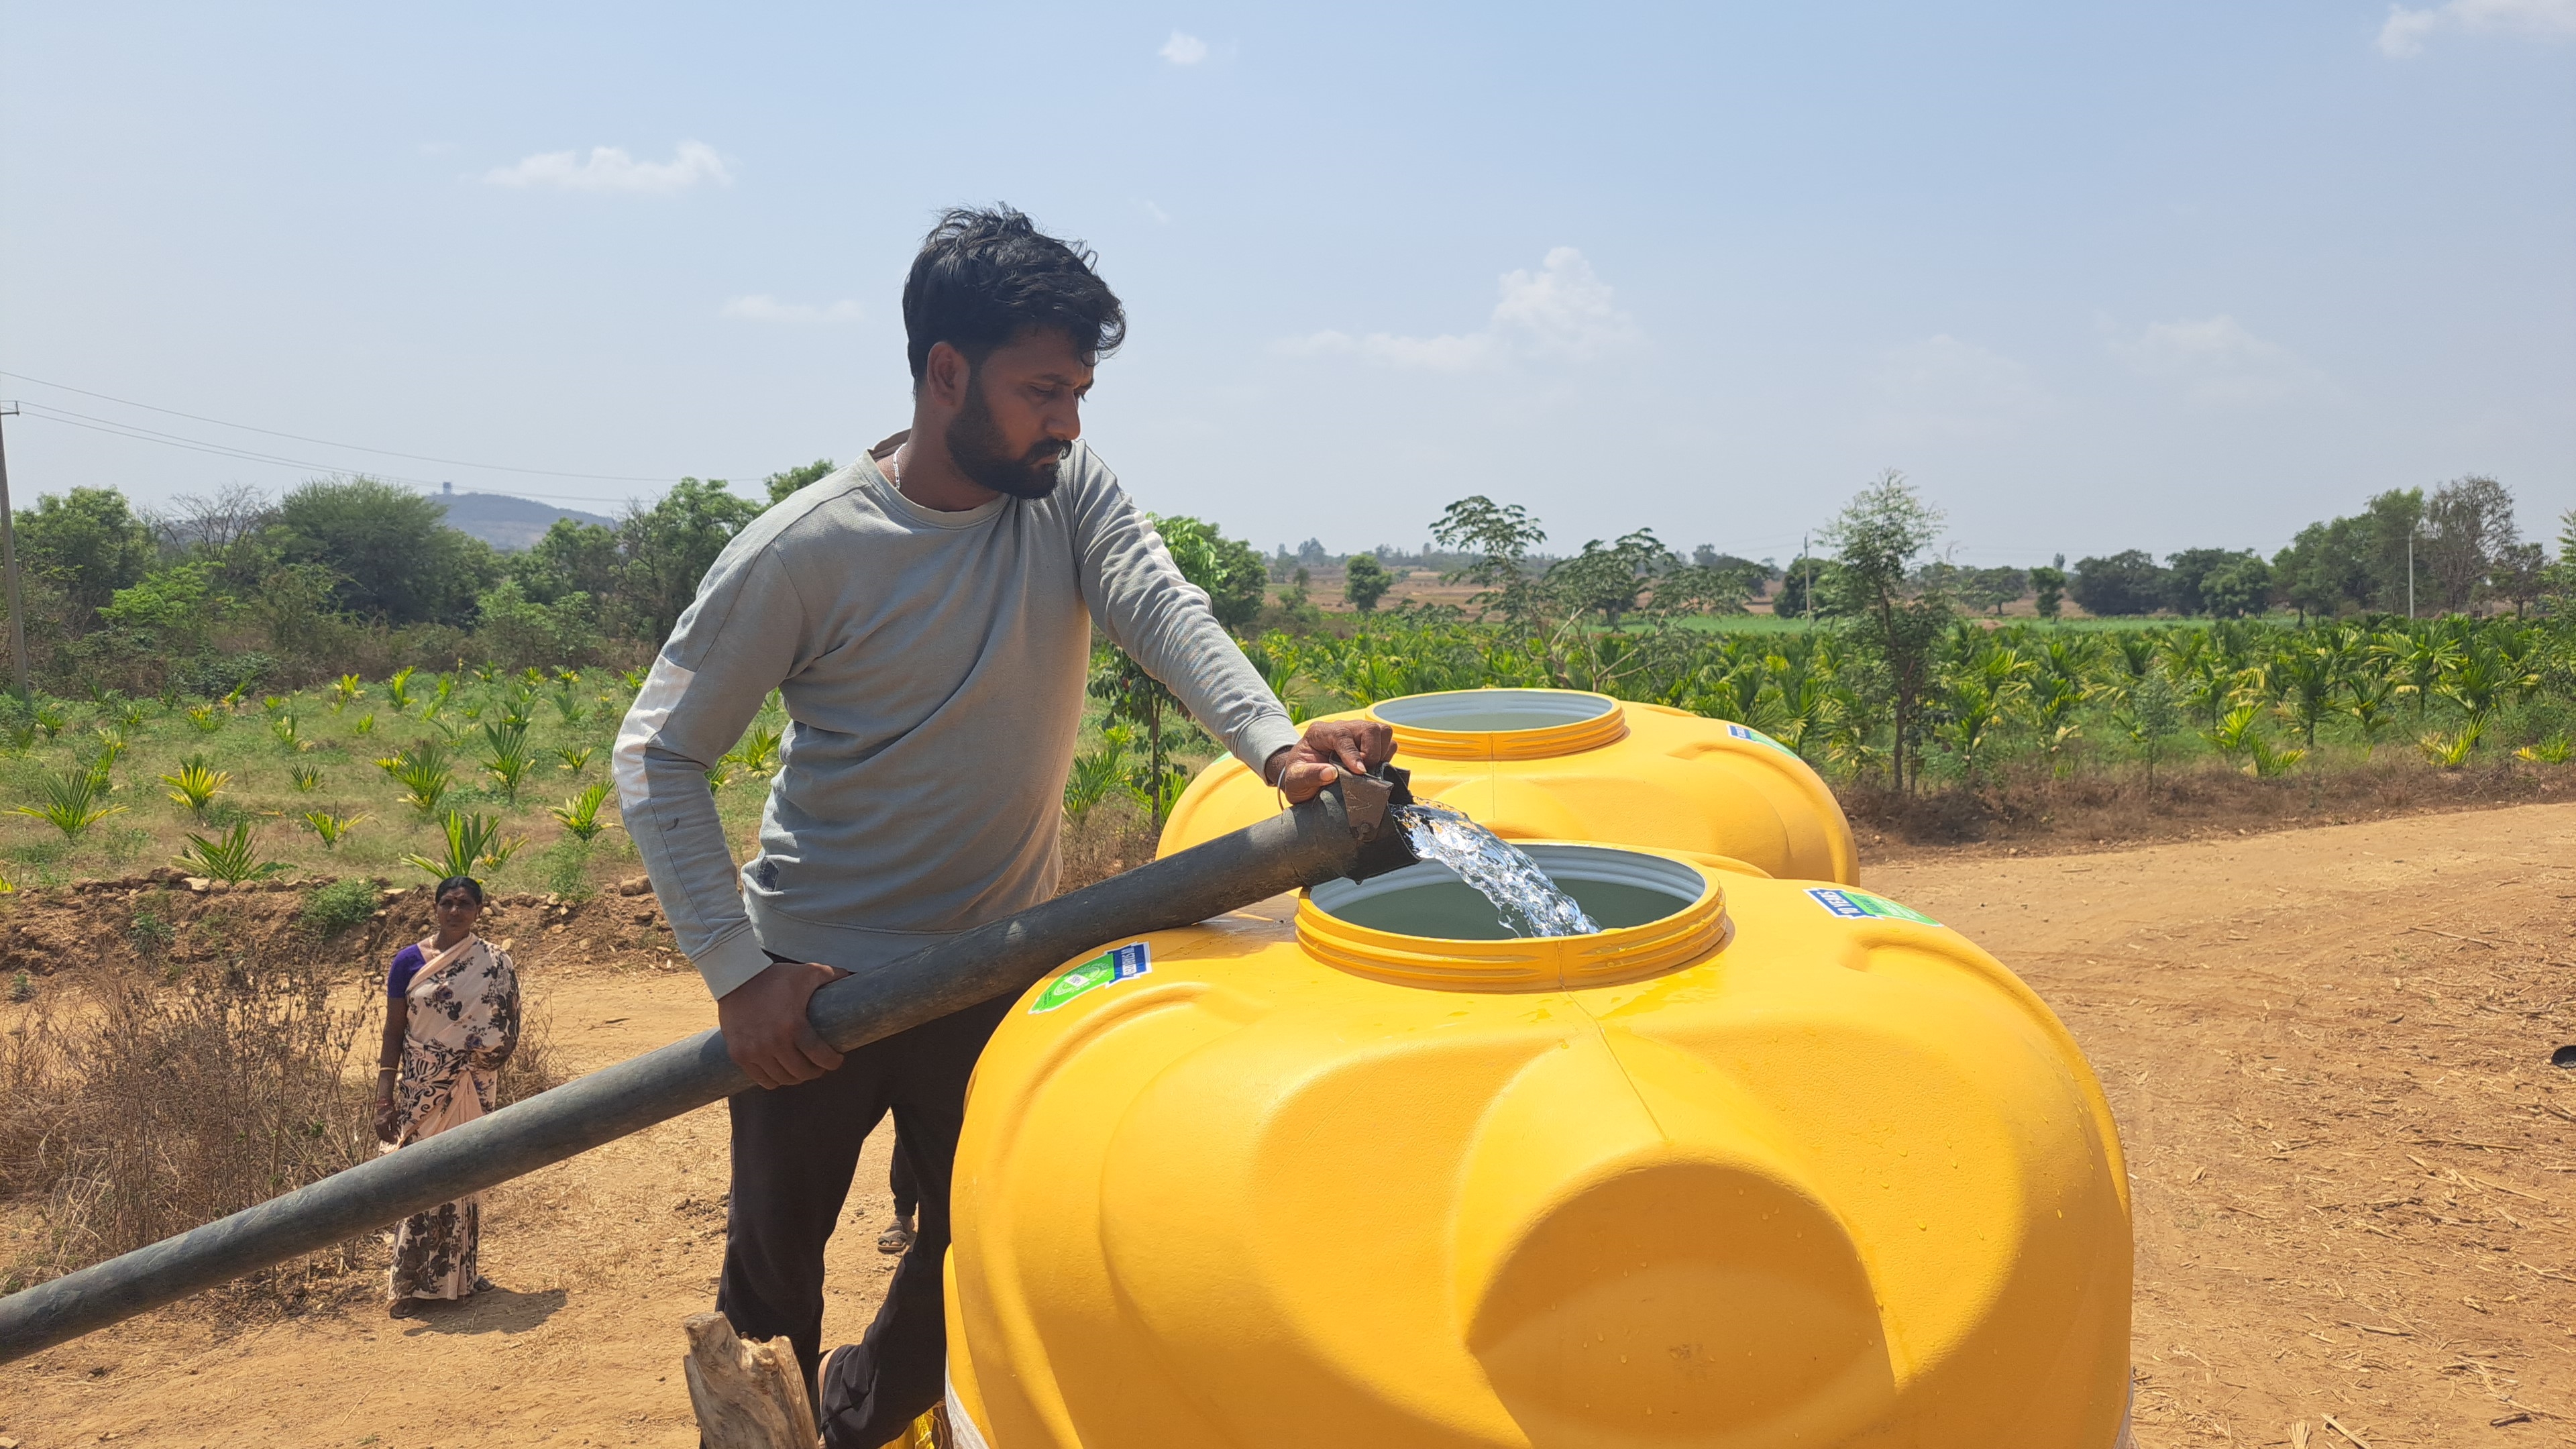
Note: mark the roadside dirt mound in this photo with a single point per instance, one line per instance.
(165, 919)
(2329, 1051)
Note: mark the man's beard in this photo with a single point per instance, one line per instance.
(975, 445)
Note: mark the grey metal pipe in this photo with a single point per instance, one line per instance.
(1305, 845)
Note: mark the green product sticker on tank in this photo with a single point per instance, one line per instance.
(1749, 733)
(1106, 969)
(1859, 905)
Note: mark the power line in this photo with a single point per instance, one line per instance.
(46, 412)
(329, 443)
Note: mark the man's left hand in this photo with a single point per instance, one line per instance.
(1331, 746)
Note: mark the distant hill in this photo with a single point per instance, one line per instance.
(508, 524)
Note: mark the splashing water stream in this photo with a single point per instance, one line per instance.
(1529, 903)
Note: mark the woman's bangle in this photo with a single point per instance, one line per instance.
(387, 1071)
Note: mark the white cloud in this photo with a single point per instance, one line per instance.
(1561, 311)
(762, 307)
(2216, 360)
(1184, 49)
(1160, 216)
(609, 168)
(2405, 31)
(1941, 387)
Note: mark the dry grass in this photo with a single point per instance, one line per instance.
(2030, 805)
(159, 1106)
(148, 1104)
(1117, 835)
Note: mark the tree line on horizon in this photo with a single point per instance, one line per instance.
(351, 573)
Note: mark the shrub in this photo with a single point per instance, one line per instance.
(337, 907)
(196, 784)
(232, 857)
(566, 869)
(150, 931)
(473, 841)
(74, 800)
(423, 772)
(166, 1107)
(506, 758)
(331, 829)
(580, 814)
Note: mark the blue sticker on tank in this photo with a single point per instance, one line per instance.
(1106, 969)
(1748, 732)
(1859, 905)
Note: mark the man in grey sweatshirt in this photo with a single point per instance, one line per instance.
(926, 615)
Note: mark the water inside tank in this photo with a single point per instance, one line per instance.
(1493, 711)
(1616, 888)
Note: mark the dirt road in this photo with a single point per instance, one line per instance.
(2329, 1051)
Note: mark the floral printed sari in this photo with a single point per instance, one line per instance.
(463, 1023)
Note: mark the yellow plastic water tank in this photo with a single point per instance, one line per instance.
(1559, 764)
(1765, 1163)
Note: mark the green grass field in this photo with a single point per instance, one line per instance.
(274, 761)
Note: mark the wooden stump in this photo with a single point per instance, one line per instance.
(747, 1395)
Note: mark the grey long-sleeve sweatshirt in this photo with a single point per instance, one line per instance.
(932, 665)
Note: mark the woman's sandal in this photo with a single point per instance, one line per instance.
(896, 1239)
(404, 1308)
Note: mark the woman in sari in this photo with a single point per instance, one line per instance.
(451, 1020)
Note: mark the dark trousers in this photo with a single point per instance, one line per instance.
(905, 1186)
(795, 1151)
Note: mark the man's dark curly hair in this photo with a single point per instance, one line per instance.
(985, 277)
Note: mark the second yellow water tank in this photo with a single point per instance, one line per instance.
(1557, 764)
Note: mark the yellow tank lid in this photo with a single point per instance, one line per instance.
(1501, 724)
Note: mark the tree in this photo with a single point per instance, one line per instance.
(517, 631)
(2239, 586)
(227, 529)
(88, 541)
(1365, 581)
(2384, 527)
(1497, 537)
(573, 557)
(2327, 569)
(2127, 582)
(172, 611)
(2558, 581)
(2519, 576)
(390, 548)
(1232, 573)
(1609, 577)
(1803, 588)
(2150, 716)
(670, 545)
(2183, 573)
(1876, 540)
(1988, 590)
(2467, 526)
(2048, 587)
(782, 484)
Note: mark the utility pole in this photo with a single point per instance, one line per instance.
(1811, 580)
(9, 564)
(2410, 570)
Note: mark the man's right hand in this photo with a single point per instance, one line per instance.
(764, 1025)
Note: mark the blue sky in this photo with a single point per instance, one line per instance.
(2094, 277)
